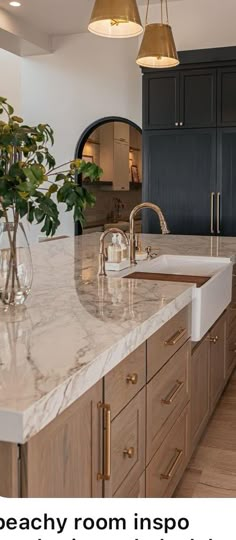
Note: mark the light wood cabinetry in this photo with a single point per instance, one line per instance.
(200, 390)
(9, 470)
(164, 343)
(167, 394)
(63, 459)
(169, 462)
(124, 381)
(127, 446)
(132, 434)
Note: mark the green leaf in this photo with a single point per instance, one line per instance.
(53, 189)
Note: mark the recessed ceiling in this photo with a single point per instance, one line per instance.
(55, 17)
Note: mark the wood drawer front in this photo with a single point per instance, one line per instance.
(125, 380)
(170, 460)
(127, 434)
(167, 394)
(166, 341)
(138, 491)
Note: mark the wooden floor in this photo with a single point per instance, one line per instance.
(212, 469)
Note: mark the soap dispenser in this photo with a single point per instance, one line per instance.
(124, 250)
(114, 250)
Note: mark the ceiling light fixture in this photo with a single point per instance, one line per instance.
(158, 48)
(15, 4)
(115, 19)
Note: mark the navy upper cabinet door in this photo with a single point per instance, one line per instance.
(161, 100)
(227, 97)
(198, 98)
(227, 181)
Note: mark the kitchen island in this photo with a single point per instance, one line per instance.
(61, 355)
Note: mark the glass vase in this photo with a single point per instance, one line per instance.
(16, 270)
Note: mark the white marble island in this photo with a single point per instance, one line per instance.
(73, 330)
(74, 336)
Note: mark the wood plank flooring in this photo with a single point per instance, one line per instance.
(212, 469)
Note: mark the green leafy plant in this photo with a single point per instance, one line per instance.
(31, 185)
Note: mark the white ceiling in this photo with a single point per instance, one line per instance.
(56, 17)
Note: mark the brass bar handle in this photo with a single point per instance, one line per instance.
(176, 337)
(106, 475)
(129, 452)
(212, 212)
(218, 212)
(132, 378)
(173, 465)
(170, 398)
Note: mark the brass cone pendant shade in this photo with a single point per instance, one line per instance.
(158, 47)
(115, 19)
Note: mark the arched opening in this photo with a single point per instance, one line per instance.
(115, 144)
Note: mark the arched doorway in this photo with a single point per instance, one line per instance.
(115, 144)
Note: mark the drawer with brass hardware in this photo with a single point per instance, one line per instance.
(125, 380)
(167, 466)
(127, 446)
(167, 394)
(166, 341)
(138, 491)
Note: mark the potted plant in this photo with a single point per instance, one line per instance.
(31, 187)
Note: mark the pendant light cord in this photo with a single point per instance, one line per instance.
(146, 19)
(167, 13)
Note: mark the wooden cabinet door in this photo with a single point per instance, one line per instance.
(217, 336)
(200, 391)
(198, 98)
(127, 447)
(161, 100)
(226, 96)
(63, 459)
(179, 176)
(226, 172)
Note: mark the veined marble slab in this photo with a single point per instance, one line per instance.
(76, 327)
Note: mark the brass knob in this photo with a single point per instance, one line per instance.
(133, 379)
(214, 339)
(129, 452)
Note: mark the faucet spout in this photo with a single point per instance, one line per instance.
(136, 209)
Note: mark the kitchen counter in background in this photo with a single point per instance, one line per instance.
(76, 327)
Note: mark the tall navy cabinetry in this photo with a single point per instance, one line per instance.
(189, 144)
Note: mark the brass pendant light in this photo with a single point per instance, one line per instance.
(115, 19)
(158, 47)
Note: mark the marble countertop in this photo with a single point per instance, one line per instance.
(76, 327)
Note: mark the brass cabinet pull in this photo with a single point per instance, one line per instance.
(176, 337)
(132, 378)
(213, 339)
(218, 212)
(212, 212)
(174, 462)
(106, 475)
(129, 452)
(170, 398)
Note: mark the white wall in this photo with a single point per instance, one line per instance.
(85, 79)
(200, 24)
(10, 79)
